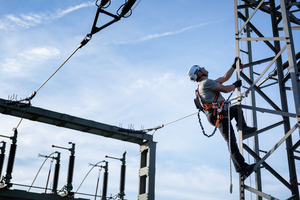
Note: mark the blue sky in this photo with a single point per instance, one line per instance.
(131, 74)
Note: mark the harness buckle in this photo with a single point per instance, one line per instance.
(221, 104)
(215, 105)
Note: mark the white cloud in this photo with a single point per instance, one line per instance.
(188, 183)
(10, 22)
(39, 53)
(15, 65)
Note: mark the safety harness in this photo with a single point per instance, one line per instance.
(217, 106)
(217, 109)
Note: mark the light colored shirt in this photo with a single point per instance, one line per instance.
(207, 91)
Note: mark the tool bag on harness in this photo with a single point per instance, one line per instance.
(198, 102)
(217, 108)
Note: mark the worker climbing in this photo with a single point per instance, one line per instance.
(210, 100)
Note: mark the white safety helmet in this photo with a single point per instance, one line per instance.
(192, 73)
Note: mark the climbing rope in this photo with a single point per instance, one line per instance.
(229, 144)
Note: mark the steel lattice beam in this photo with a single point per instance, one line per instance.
(72, 122)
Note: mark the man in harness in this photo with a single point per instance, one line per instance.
(209, 94)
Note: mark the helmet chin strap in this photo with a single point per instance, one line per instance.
(201, 75)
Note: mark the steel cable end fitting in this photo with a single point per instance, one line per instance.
(32, 95)
(103, 3)
(85, 40)
(158, 127)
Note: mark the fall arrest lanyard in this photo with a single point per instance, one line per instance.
(217, 106)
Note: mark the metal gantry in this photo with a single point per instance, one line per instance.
(264, 36)
(147, 145)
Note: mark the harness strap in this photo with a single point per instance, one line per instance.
(217, 106)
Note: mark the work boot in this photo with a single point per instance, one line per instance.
(247, 171)
(247, 130)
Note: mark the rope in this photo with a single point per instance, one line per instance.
(229, 136)
(180, 119)
(171, 122)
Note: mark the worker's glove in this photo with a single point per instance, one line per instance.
(237, 83)
(234, 63)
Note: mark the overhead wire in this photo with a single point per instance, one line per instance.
(136, 5)
(35, 92)
(88, 174)
(39, 171)
(58, 69)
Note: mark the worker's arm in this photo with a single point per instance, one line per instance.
(224, 88)
(226, 76)
(228, 88)
(229, 73)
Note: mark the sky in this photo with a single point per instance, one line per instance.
(132, 74)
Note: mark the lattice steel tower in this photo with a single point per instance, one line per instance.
(271, 76)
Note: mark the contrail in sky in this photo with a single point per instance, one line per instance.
(12, 21)
(165, 34)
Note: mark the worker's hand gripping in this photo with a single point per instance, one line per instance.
(238, 83)
(235, 61)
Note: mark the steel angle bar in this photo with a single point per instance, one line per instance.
(295, 146)
(258, 62)
(294, 4)
(263, 130)
(252, 5)
(263, 39)
(294, 28)
(266, 9)
(276, 146)
(296, 157)
(263, 110)
(257, 32)
(268, 85)
(291, 197)
(250, 17)
(268, 167)
(264, 195)
(267, 68)
(260, 92)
